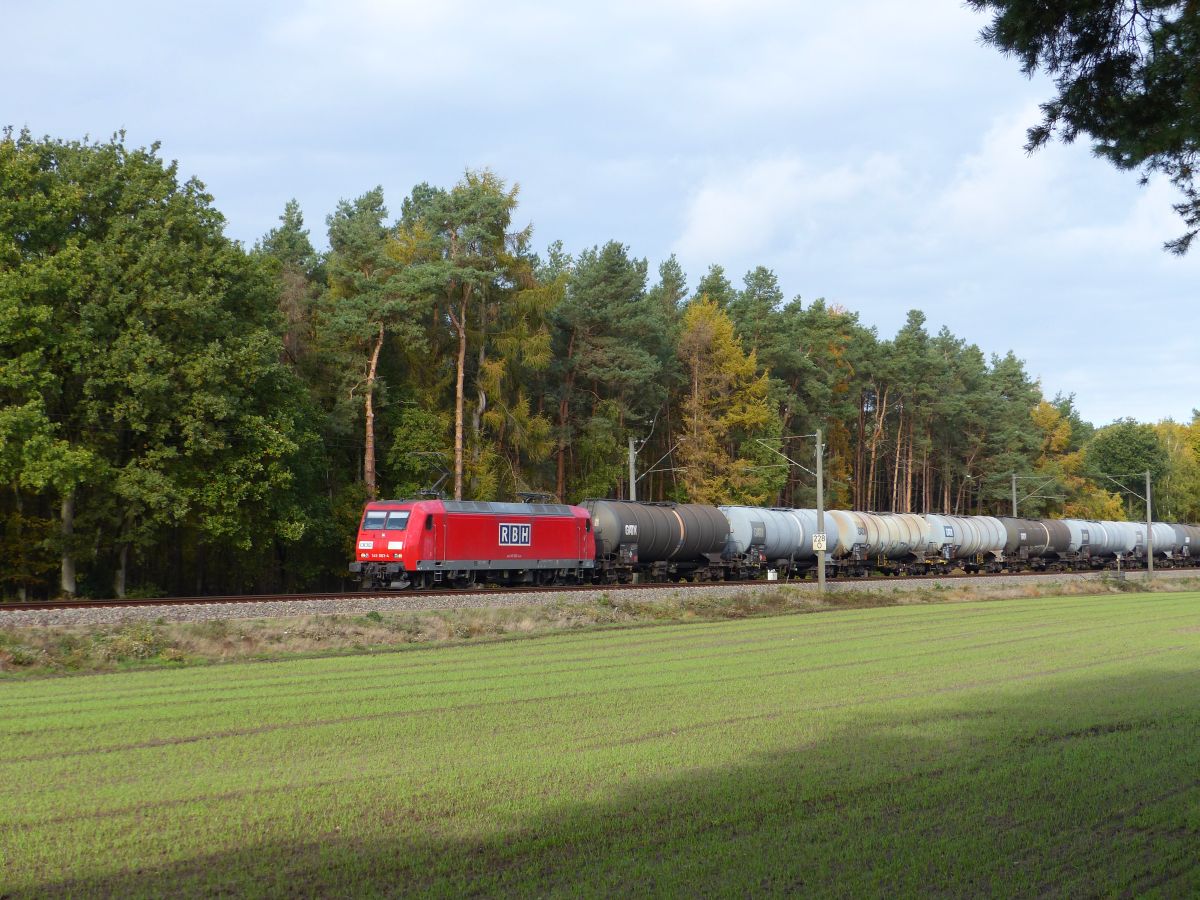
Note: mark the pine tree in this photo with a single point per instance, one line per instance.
(463, 256)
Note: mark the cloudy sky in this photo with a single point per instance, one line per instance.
(869, 152)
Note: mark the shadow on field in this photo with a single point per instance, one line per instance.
(1093, 787)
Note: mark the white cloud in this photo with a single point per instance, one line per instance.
(779, 201)
(1000, 190)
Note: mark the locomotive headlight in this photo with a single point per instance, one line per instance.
(366, 545)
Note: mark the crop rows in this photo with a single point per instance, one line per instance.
(1010, 747)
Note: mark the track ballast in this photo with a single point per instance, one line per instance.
(254, 606)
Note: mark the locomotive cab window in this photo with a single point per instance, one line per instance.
(429, 523)
(375, 519)
(397, 521)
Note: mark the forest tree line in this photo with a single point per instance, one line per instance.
(181, 414)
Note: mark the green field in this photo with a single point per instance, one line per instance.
(1018, 747)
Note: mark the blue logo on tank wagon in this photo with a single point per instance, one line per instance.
(514, 534)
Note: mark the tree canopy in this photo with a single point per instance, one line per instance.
(180, 414)
(142, 386)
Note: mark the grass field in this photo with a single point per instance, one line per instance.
(1049, 745)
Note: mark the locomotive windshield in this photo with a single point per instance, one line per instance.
(379, 519)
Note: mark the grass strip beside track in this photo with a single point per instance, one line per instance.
(35, 650)
(1046, 745)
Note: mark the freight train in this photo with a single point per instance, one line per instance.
(427, 542)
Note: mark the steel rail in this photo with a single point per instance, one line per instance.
(91, 603)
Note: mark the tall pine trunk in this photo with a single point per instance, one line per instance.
(908, 471)
(369, 451)
(482, 402)
(20, 507)
(880, 412)
(926, 491)
(962, 487)
(946, 486)
(896, 464)
(564, 413)
(460, 323)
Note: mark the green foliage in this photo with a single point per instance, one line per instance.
(186, 419)
(1178, 490)
(139, 641)
(613, 364)
(419, 455)
(1120, 453)
(716, 287)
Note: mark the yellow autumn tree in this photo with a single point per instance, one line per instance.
(1082, 498)
(1178, 493)
(724, 408)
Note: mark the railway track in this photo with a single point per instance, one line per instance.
(483, 593)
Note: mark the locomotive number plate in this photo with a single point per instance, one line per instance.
(514, 534)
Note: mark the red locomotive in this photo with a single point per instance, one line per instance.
(422, 543)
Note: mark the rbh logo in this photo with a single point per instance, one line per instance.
(514, 535)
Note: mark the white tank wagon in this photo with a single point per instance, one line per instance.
(1163, 543)
(940, 537)
(1089, 538)
(808, 521)
(990, 534)
(851, 536)
(974, 541)
(833, 535)
(861, 535)
(1126, 538)
(758, 535)
(904, 535)
(861, 541)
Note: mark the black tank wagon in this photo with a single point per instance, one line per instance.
(659, 540)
